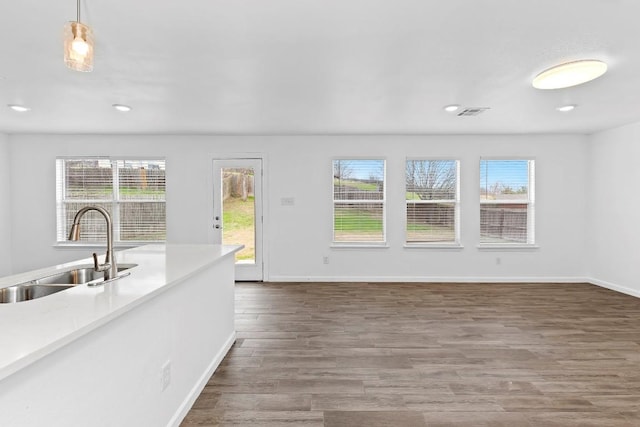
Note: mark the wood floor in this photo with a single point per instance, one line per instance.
(403, 354)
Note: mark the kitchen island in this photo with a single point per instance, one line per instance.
(133, 352)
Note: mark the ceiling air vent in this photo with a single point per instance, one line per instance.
(473, 111)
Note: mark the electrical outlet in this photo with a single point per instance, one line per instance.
(325, 260)
(165, 375)
(287, 201)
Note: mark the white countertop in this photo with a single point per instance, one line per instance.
(33, 329)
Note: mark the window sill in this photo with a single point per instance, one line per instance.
(95, 245)
(359, 246)
(507, 247)
(436, 246)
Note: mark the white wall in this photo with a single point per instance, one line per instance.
(5, 203)
(614, 227)
(300, 167)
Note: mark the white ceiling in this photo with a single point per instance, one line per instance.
(318, 66)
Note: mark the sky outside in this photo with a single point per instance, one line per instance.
(509, 173)
(362, 169)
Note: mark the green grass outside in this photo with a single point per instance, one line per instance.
(429, 233)
(141, 192)
(238, 214)
(128, 192)
(350, 225)
(363, 224)
(238, 225)
(365, 186)
(356, 221)
(423, 227)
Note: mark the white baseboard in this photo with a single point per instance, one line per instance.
(429, 279)
(614, 287)
(202, 382)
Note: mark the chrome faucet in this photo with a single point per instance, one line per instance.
(109, 267)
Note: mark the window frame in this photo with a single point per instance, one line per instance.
(530, 202)
(456, 243)
(365, 243)
(116, 201)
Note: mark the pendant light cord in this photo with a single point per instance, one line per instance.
(78, 11)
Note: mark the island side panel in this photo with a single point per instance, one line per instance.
(113, 375)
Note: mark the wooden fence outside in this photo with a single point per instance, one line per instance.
(237, 184)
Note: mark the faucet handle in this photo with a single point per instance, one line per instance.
(97, 266)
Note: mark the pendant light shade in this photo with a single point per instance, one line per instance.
(78, 45)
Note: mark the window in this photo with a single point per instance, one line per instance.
(432, 194)
(507, 201)
(358, 201)
(132, 191)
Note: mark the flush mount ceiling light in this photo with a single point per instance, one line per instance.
(570, 74)
(78, 45)
(122, 107)
(19, 108)
(566, 108)
(451, 108)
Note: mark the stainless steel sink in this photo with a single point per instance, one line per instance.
(28, 291)
(50, 284)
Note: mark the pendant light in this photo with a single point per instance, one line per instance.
(78, 45)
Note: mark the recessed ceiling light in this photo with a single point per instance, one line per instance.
(451, 108)
(122, 107)
(19, 108)
(570, 74)
(566, 108)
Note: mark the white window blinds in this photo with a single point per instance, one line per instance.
(141, 200)
(358, 201)
(507, 201)
(132, 191)
(432, 197)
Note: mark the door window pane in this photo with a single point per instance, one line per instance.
(238, 212)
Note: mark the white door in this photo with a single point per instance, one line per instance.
(237, 212)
